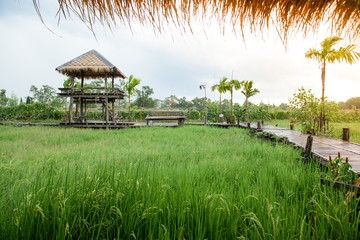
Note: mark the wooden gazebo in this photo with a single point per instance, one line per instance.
(91, 65)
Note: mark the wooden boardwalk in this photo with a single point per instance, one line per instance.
(322, 147)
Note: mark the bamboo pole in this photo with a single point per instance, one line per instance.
(106, 103)
(71, 101)
(81, 98)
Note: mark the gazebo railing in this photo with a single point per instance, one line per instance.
(90, 90)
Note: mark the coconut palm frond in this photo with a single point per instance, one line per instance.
(313, 54)
(131, 84)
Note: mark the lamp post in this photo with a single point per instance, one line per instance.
(205, 113)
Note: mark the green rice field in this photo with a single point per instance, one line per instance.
(193, 182)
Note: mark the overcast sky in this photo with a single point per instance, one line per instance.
(169, 62)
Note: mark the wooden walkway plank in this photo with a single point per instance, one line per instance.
(322, 147)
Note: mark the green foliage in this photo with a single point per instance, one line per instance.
(169, 102)
(143, 98)
(183, 103)
(284, 106)
(13, 100)
(258, 112)
(29, 100)
(130, 88)
(341, 170)
(35, 111)
(248, 91)
(46, 94)
(194, 115)
(279, 114)
(307, 109)
(352, 103)
(77, 84)
(3, 98)
(130, 85)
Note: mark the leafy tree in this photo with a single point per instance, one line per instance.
(29, 100)
(13, 100)
(198, 103)
(221, 87)
(46, 94)
(353, 102)
(183, 103)
(130, 88)
(327, 54)
(67, 83)
(307, 109)
(284, 106)
(143, 98)
(233, 84)
(3, 98)
(248, 92)
(170, 101)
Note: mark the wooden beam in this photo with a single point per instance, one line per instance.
(81, 110)
(85, 115)
(346, 134)
(71, 101)
(308, 146)
(113, 111)
(106, 86)
(106, 102)
(106, 110)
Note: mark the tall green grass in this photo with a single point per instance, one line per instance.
(162, 183)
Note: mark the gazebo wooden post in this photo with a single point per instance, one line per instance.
(71, 101)
(85, 115)
(106, 102)
(81, 98)
(113, 102)
(103, 111)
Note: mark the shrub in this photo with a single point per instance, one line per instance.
(194, 115)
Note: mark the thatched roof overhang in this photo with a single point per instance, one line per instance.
(90, 65)
(288, 16)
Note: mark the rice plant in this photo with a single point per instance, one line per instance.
(162, 183)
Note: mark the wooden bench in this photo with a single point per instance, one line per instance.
(166, 115)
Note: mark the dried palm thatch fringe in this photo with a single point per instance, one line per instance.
(343, 16)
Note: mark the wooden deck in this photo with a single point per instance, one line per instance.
(322, 147)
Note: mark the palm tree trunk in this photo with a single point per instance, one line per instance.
(231, 92)
(220, 109)
(129, 107)
(323, 83)
(322, 114)
(245, 104)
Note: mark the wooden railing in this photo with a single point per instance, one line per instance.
(90, 90)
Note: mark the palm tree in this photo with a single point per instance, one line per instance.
(130, 87)
(248, 92)
(234, 84)
(328, 54)
(221, 87)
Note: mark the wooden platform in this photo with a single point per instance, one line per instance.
(322, 147)
(98, 124)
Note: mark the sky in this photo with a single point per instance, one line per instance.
(169, 62)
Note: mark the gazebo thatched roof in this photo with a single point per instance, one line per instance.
(90, 65)
(287, 16)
